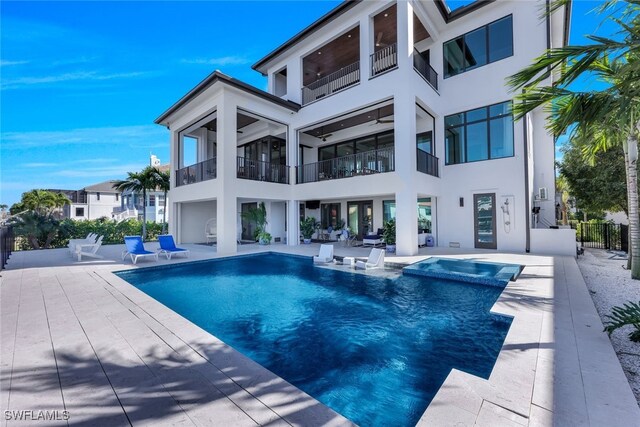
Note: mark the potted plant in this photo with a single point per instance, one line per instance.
(307, 228)
(390, 235)
(264, 238)
(424, 225)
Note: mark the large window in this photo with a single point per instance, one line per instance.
(424, 213)
(479, 47)
(330, 215)
(367, 143)
(481, 134)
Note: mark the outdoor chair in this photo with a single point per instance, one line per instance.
(135, 248)
(89, 249)
(375, 260)
(168, 246)
(325, 256)
(90, 239)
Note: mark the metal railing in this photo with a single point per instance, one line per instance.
(425, 69)
(604, 235)
(257, 170)
(384, 60)
(365, 163)
(427, 163)
(331, 83)
(199, 172)
(7, 242)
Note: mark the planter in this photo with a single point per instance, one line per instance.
(306, 241)
(263, 242)
(391, 249)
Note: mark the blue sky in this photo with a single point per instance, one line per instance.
(81, 83)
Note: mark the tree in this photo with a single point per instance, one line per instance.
(604, 118)
(597, 185)
(562, 187)
(162, 182)
(41, 201)
(139, 182)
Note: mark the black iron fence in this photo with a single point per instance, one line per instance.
(425, 69)
(604, 235)
(334, 82)
(257, 170)
(365, 163)
(427, 163)
(384, 59)
(7, 242)
(199, 172)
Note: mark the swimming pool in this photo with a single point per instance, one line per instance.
(466, 270)
(376, 350)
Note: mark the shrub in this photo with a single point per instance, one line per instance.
(628, 314)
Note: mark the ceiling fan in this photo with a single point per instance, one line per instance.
(379, 41)
(379, 120)
(323, 136)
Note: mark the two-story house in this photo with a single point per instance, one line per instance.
(378, 110)
(92, 202)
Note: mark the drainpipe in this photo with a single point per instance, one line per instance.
(527, 206)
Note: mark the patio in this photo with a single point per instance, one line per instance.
(75, 337)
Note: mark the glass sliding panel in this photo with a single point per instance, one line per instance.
(366, 144)
(501, 39)
(477, 144)
(388, 210)
(330, 215)
(352, 218)
(385, 140)
(501, 136)
(475, 54)
(454, 144)
(326, 153)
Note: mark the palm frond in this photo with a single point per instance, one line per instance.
(627, 314)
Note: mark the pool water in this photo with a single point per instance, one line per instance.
(466, 270)
(374, 349)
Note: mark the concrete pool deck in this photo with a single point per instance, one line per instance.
(76, 337)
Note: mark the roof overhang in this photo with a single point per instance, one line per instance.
(218, 77)
(449, 15)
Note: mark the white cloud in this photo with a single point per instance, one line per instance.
(218, 61)
(21, 82)
(122, 135)
(114, 171)
(75, 162)
(5, 63)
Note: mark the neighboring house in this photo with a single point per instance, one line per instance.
(92, 202)
(376, 110)
(131, 206)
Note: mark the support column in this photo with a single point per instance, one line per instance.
(405, 34)
(293, 222)
(226, 207)
(366, 44)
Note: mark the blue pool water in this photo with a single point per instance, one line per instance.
(466, 270)
(376, 350)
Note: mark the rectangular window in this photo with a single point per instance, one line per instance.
(330, 215)
(117, 197)
(79, 211)
(97, 196)
(424, 142)
(481, 134)
(479, 47)
(388, 210)
(347, 148)
(152, 200)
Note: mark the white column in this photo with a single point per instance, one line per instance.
(227, 215)
(366, 43)
(294, 80)
(293, 222)
(405, 34)
(174, 221)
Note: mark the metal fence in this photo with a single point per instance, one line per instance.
(331, 83)
(384, 60)
(7, 242)
(365, 163)
(257, 170)
(199, 172)
(427, 163)
(604, 236)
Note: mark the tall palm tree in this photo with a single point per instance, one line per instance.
(138, 182)
(608, 117)
(162, 182)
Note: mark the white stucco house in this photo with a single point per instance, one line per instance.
(92, 202)
(378, 109)
(132, 203)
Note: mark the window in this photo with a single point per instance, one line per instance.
(79, 211)
(424, 213)
(424, 142)
(481, 134)
(280, 82)
(98, 196)
(479, 47)
(152, 200)
(330, 215)
(117, 197)
(346, 148)
(388, 210)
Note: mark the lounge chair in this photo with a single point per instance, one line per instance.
(375, 260)
(325, 256)
(90, 239)
(168, 246)
(135, 248)
(373, 239)
(89, 249)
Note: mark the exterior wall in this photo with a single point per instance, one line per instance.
(553, 241)
(508, 178)
(103, 207)
(194, 217)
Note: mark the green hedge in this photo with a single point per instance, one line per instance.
(112, 231)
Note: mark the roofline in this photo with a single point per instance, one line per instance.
(327, 17)
(449, 16)
(217, 76)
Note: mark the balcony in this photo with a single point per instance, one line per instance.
(384, 60)
(199, 172)
(365, 163)
(257, 170)
(331, 83)
(427, 163)
(425, 70)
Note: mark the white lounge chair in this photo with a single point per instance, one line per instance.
(89, 240)
(325, 256)
(375, 260)
(89, 249)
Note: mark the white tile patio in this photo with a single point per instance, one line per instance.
(76, 337)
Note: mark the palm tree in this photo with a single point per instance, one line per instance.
(138, 182)
(606, 118)
(562, 187)
(162, 182)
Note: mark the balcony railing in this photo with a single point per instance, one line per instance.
(427, 163)
(331, 83)
(366, 163)
(257, 170)
(199, 172)
(384, 60)
(425, 69)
